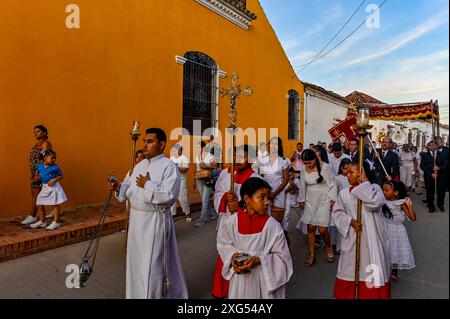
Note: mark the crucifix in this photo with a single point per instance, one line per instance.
(233, 93)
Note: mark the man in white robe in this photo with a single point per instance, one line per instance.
(374, 257)
(153, 267)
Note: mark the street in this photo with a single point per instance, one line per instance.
(43, 275)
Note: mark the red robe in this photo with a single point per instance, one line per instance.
(220, 285)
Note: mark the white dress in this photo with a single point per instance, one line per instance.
(51, 195)
(402, 256)
(317, 197)
(273, 174)
(406, 167)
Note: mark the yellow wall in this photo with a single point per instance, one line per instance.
(87, 85)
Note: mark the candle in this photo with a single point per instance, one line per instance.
(135, 128)
(363, 117)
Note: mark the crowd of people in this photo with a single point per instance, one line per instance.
(321, 184)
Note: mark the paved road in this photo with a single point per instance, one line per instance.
(43, 275)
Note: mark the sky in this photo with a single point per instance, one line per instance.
(404, 58)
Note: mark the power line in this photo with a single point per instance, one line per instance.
(334, 37)
(326, 53)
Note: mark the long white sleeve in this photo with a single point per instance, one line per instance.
(277, 263)
(341, 218)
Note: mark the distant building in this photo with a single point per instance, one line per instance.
(323, 109)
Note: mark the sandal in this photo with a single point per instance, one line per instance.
(330, 255)
(310, 261)
(393, 278)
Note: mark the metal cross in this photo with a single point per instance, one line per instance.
(233, 93)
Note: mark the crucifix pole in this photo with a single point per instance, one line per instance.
(233, 93)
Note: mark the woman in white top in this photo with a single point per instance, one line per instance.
(204, 161)
(408, 166)
(275, 170)
(183, 167)
(317, 195)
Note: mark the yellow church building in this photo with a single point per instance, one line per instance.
(88, 69)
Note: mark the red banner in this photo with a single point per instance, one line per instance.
(344, 128)
(397, 112)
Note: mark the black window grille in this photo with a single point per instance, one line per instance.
(199, 91)
(294, 116)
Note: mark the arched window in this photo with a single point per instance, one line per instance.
(199, 91)
(293, 116)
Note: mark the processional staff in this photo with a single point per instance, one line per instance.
(134, 137)
(233, 93)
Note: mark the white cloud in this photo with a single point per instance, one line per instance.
(426, 60)
(403, 40)
(302, 58)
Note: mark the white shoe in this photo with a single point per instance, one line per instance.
(29, 220)
(50, 215)
(38, 224)
(53, 226)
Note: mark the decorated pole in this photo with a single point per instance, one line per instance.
(134, 137)
(233, 93)
(362, 124)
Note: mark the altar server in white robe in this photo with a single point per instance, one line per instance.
(153, 267)
(374, 257)
(252, 245)
(226, 203)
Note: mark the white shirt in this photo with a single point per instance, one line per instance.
(209, 158)
(183, 162)
(335, 162)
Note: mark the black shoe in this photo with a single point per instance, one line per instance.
(424, 201)
(441, 208)
(431, 209)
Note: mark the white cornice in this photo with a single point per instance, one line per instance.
(222, 74)
(228, 13)
(180, 59)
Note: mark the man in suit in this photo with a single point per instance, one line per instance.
(427, 165)
(390, 161)
(353, 151)
(435, 165)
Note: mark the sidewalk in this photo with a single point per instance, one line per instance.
(77, 224)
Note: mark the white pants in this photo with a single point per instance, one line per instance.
(183, 198)
(287, 215)
(406, 172)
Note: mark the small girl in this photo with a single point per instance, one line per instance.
(252, 245)
(396, 208)
(52, 193)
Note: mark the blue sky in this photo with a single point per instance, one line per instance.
(405, 60)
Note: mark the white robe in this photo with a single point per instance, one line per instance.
(265, 281)
(374, 239)
(222, 187)
(149, 222)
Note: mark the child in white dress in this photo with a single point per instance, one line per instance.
(397, 207)
(51, 193)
